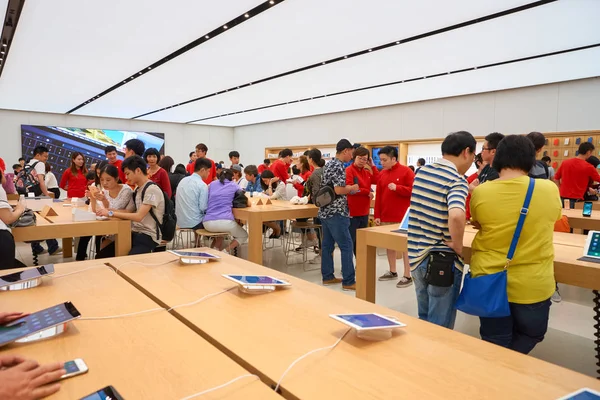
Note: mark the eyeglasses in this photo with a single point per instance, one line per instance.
(362, 159)
(487, 148)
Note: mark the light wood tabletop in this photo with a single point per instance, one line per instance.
(578, 221)
(256, 215)
(567, 249)
(266, 333)
(62, 226)
(148, 356)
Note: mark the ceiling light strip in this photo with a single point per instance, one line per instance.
(517, 60)
(362, 52)
(202, 39)
(11, 20)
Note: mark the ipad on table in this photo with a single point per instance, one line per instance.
(37, 322)
(367, 321)
(592, 245)
(194, 254)
(26, 275)
(404, 224)
(247, 280)
(582, 394)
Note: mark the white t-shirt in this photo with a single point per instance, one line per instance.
(154, 197)
(40, 167)
(4, 204)
(243, 183)
(50, 178)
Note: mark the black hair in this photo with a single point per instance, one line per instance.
(389, 151)
(411, 168)
(305, 153)
(546, 159)
(202, 163)
(21, 158)
(594, 161)
(136, 145)
(166, 163)
(180, 169)
(202, 147)
(266, 161)
(15, 166)
(110, 170)
(493, 139)
(234, 154)
(537, 139)
(286, 153)
(224, 175)
(315, 155)
(456, 142)
(91, 176)
(267, 174)
(152, 152)
(295, 170)
(421, 162)
(192, 153)
(40, 150)
(134, 162)
(101, 164)
(251, 170)
(109, 149)
(583, 147)
(514, 152)
(99, 167)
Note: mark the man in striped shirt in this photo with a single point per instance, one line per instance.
(437, 224)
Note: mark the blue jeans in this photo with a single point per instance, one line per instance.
(336, 230)
(436, 304)
(355, 224)
(522, 330)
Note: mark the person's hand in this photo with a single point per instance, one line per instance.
(592, 191)
(476, 224)
(19, 209)
(7, 361)
(392, 187)
(371, 195)
(473, 185)
(8, 317)
(377, 221)
(103, 212)
(456, 247)
(30, 381)
(274, 180)
(89, 194)
(100, 196)
(354, 188)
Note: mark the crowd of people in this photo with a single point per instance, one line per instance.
(441, 198)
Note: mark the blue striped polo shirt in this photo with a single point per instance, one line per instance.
(438, 187)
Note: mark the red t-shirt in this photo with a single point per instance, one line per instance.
(300, 186)
(161, 178)
(262, 168)
(118, 164)
(470, 179)
(75, 185)
(574, 175)
(359, 203)
(391, 205)
(280, 170)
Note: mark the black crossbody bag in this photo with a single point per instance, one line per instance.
(440, 268)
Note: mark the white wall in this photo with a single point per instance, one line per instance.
(565, 106)
(180, 139)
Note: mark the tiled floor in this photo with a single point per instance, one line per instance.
(569, 341)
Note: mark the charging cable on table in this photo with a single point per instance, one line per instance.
(77, 272)
(117, 269)
(308, 354)
(220, 387)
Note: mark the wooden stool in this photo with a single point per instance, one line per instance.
(291, 243)
(203, 233)
(179, 242)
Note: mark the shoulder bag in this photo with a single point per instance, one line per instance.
(486, 296)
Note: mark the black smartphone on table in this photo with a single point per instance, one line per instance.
(587, 209)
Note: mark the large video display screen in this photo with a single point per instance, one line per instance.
(62, 142)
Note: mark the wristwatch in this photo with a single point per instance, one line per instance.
(110, 213)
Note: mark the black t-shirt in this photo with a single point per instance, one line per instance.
(488, 174)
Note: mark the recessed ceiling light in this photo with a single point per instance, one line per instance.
(323, 63)
(370, 49)
(272, 2)
(246, 15)
(224, 26)
(207, 36)
(2, 52)
(397, 42)
(345, 56)
(149, 67)
(3, 44)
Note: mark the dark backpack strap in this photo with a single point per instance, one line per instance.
(547, 170)
(151, 212)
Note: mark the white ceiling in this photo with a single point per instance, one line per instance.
(55, 64)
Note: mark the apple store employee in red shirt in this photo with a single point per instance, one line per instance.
(281, 166)
(573, 175)
(391, 202)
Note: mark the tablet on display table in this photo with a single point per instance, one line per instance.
(37, 322)
(592, 245)
(194, 254)
(26, 275)
(256, 280)
(367, 321)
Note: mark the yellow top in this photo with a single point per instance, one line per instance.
(496, 205)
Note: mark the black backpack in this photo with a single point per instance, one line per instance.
(28, 181)
(169, 225)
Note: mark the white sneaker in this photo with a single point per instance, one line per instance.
(316, 260)
(556, 297)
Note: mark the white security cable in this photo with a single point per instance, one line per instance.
(77, 272)
(220, 387)
(143, 263)
(308, 354)
(208, 296)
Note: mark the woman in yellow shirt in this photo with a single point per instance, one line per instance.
(495, 208)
